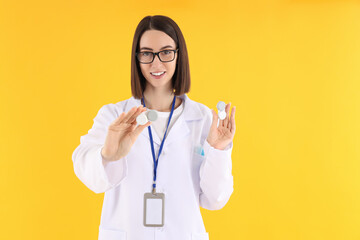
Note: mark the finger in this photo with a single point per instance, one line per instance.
(129, 114)
(137, 114)
(215, 120)
(228, 126)
(230, 123)
(140, 128)
(221, 122)
(119, 119)
(226, 120)
(139, 110)
(232, 119)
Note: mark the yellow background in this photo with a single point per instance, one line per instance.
(290, 67)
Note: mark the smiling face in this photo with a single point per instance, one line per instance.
(155, 41)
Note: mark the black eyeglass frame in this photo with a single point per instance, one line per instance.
(156, 54)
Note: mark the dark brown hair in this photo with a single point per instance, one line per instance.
(181, 77)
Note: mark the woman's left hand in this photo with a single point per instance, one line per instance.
(220, 136)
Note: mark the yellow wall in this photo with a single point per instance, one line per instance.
(290, 67)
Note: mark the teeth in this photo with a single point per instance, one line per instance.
(157, 74)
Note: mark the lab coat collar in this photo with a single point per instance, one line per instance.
(180, 128)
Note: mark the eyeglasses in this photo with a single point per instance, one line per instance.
(164, 56)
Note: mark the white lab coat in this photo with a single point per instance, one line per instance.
(188, 178)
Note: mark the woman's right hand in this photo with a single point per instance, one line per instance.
(122, 134)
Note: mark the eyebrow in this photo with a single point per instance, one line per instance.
(146, 48)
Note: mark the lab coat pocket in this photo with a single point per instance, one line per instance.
(198, 156)
(197, 159)
(200, 236)
(111, 234)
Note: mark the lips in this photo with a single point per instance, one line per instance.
(158, 76)
(158, 72)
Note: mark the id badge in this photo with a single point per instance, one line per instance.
(154, 209)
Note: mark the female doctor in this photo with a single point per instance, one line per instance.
(156, 180)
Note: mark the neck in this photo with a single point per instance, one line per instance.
(158, 99)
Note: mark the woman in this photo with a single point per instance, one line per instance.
(182, 161)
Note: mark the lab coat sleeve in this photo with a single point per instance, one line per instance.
(216, 180)
(89, 166)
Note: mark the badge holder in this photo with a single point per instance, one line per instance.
(154, 209)
(154, 202)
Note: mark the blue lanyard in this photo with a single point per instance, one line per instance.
(162, 143)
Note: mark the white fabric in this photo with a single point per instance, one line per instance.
(154, 211)
(160, 124)
(187, 178)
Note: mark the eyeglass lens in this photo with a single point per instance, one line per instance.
(165, 56)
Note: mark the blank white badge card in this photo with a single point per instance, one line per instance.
(154, 209)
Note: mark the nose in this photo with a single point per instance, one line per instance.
(156, 60)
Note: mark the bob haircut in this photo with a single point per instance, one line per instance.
(181, 77)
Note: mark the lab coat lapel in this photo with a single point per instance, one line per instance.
(180, 128)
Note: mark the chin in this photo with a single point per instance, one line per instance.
(159, 82)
